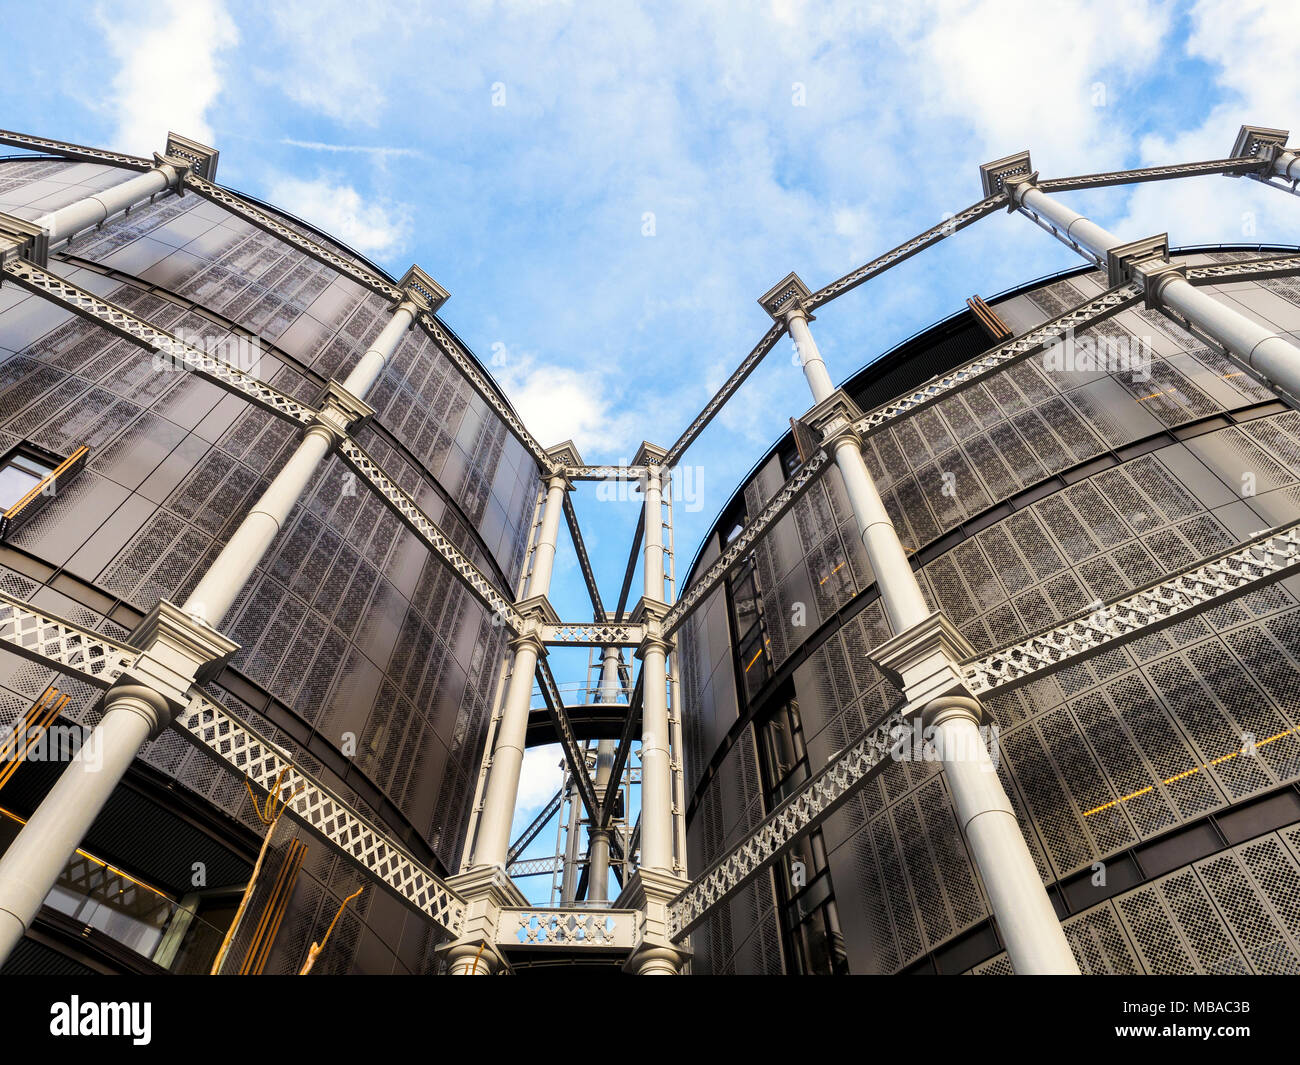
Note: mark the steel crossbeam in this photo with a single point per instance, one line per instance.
(573, 751)
(80, 152)
(593, 634)
(584, 562)
(1149, 173)
(51, 641)
(568, 929)
(919, 243)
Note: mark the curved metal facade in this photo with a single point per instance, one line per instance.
(1024, 499)
(360, 653)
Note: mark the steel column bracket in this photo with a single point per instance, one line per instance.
(21, 239)
(177, 651)
(189, 156)
(789, 292)
(1259, 142)
(1003, 175)
(423, 290)
(925, 661)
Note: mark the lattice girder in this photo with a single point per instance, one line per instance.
(819, 796)
(1253, 565)
(61, 645)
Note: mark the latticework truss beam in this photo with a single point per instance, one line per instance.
(67, 648)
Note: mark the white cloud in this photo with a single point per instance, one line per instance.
(560, 403)
(170, 73)
(376, 229)
(1247, 43)
(539, 779)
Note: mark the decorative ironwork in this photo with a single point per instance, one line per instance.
(1245, 269)
(219, 733)
(744, 542)
(566, 928)
(604, 473)
(595, 634)
(552, 864)
(434, 538)
(125, 324)
(918, 243)
(1260, 562)
(58, 644)
(843, 775)
(1149, 173)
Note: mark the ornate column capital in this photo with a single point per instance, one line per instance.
(788, 296)
(422, 290)
(650, 614)
(188, 156)
(177, 651)
(1259, 142)
(1006, 175)
(925, 661)
(562, 456)
(535, 614)
(340, 411)
(835, 419)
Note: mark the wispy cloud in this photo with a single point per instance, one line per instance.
(359, 149)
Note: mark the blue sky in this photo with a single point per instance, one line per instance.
(520, 151)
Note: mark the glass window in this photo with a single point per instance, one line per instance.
(810, 924)
(19, 474)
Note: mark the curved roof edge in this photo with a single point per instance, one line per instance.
(317, 232)
(899, 353)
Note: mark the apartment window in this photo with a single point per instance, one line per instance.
(810, 923)
(20, 472)
(789, 460)
(752, 655)
(30, 477)
(733, 521)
